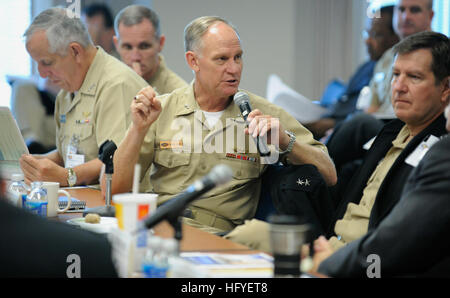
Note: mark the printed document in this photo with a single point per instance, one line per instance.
(12, 145)
(300, 107)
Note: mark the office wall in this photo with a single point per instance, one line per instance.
(328, 42)
(266, 29)
(116, 5)
(305, 42)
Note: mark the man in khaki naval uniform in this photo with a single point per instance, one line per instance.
(33, 100)
(186, 133)
(92, 105)
(139, 42)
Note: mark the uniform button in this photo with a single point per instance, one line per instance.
(203, 167)
(170, 163)
(238, 173)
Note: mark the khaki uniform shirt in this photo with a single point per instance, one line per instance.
(183, 149)
(100, 110)
(380, 85)
(165, 80)
(355, 222)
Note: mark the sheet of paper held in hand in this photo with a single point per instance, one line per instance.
(12, 145)
(300, 107)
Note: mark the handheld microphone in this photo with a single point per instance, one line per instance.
(242, 100)
(172, 209)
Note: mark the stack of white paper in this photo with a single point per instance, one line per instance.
(12, 145)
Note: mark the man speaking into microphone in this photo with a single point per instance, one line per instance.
(186, 133)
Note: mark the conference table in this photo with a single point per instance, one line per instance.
(194, 240)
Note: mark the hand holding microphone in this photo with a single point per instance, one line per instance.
(260, 126)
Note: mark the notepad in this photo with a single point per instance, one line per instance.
(222, 265)
(76, 204)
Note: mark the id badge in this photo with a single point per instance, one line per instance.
(72, 147)
(74, 160)
(416, 156)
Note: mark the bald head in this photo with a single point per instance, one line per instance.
(195, 30)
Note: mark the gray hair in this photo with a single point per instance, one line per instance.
(60, 29)
(197, 28)
(135, 14)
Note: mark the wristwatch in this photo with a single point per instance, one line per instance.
(72, 177)
(291, 143)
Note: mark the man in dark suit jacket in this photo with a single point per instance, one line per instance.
(413, 238)
(31, 246)
(413, 85)
(420, 91)
(394, 181)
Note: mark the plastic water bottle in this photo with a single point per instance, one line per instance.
(37, 201)
(140, 249)
(153, 265)
(18, 190)
(171, 250)
(147, 267)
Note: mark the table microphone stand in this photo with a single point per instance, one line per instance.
(106, 154)
(177, 226)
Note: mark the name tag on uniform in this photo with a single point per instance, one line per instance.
(74, 160)
(416, 156)
(171, 144)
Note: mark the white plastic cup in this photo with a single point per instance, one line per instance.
(132, 207)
